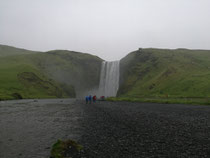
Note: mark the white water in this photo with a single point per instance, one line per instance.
(109, 79)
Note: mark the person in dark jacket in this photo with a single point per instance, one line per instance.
(86, 99)
(90, 99)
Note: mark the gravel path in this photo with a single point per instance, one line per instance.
(105, 129)
(124, 129)
(28, 128)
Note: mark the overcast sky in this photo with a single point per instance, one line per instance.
(109, 29)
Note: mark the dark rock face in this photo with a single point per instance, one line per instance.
(17, 96)
(30, 78)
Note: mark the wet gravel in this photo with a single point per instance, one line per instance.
(122, 129)
(29, 128)
(105, 129)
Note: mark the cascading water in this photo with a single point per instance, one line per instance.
(109, 79)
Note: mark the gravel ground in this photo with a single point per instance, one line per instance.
(122, 129)
(105, 129)
(28, 128)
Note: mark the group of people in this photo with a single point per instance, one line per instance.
(89, 99)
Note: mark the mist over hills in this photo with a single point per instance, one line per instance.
(143, 73)
(52, 74)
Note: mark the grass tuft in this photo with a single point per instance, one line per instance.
(65, 149)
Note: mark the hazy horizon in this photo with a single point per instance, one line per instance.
(109, 29)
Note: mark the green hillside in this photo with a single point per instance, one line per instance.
(54, 74)
(145, 73)
(165, 73)
(22, 80)
(8, 51)
(78, 69)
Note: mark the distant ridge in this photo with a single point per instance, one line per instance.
(9, 50)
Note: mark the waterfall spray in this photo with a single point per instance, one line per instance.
(109, 79)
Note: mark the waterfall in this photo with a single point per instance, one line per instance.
(109, 78)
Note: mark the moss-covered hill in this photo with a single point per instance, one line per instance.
(163, 73)
(30, 74)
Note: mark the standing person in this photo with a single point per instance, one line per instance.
(86, 98)
(94, 98)
(90, 99)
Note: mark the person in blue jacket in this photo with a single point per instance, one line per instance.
(90, 99)
(86, 98)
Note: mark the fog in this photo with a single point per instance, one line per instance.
(107, 28)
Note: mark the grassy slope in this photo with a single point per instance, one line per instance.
(45, 75)
(165, 73)
(9, 51)
(77, 69)
(18, 76)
